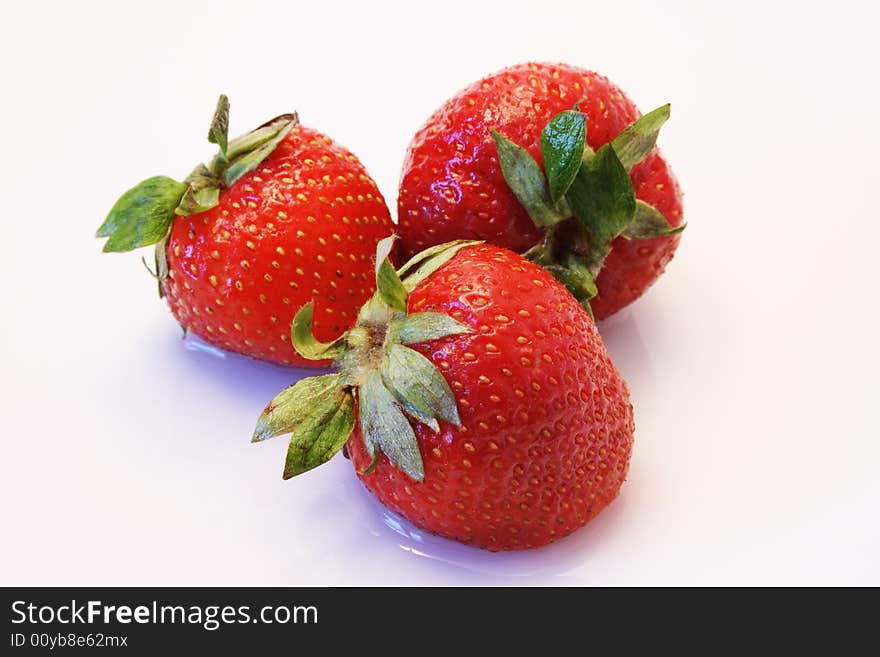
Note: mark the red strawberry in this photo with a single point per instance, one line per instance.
(453, 184)
(539, 441)
(283, 216)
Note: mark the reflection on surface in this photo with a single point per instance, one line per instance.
(244, 378)
(464, 562)
(194, 343)
(347, 531)
(625, 345)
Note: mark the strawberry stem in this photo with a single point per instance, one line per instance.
(390, 382)
(586, 199)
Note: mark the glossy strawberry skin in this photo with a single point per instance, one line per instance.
(452, 186)
(302, 226)
(547, 426)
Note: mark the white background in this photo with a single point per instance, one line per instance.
(753, 362)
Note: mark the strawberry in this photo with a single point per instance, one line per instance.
(475, 398)
(281, 217)
(473, 171)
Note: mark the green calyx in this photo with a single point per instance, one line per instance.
(143, 215)
(392, 384)
(583, 199)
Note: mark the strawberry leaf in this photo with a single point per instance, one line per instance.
(143, 215)
(648, 222)
(370, 469)
(562, 147)
(388, 283)
(255, 138)
(635, 142)
(418, 415)
(576, 277)
(219, 131)
(245, 153)
(384, 425)
(424, 327)
(416, 381)
(198, 197)
(160, 262)
(293, 405)
(526, 181)
(321, 434)
(427, 265)
(432, 251)
(303, 339)
(202, 192)
(601, 196)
